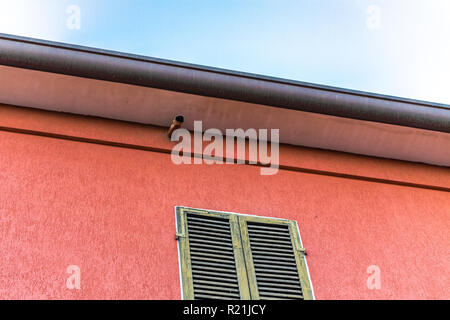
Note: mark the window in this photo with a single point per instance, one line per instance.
(232, 256)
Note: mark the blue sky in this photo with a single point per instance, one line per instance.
(394, 47)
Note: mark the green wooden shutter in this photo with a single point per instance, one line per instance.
(274, 258)
(211, 256)
(231, 256)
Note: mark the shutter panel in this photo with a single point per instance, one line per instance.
(274, 261)
(232, 257)
(214, 273)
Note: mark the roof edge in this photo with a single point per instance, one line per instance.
(139, 70)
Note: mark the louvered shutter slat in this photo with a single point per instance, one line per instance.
(206, 274)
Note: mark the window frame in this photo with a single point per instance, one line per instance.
(243, 256)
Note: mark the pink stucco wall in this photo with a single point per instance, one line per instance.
(110, 210)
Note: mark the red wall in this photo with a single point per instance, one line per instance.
(110, 210)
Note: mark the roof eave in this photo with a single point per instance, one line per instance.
(218, 83)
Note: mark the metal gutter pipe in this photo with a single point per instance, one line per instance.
(113, 66)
